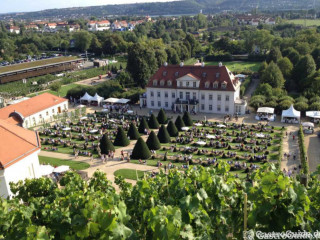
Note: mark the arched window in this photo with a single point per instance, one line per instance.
(162, 83)
(215, 84)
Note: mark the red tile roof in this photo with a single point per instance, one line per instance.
(31, 106)
(13, 136)
(206, 74)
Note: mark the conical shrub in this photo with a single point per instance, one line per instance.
(133, 133)
(121, 138)
(179, 123)
(187, 119)
(163, 135)
(140, 150)
(143, 125)
(172, 129)
(106, 145)
(162, 117)
(153, 142)
(153, 122)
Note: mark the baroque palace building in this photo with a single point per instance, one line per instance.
(204, 89)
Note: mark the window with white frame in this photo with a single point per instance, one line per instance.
(169, 83)
(219, 108)
(187, 95)
(166, 94)
(173, 95)
(227, 108)
(210, 107)
(210, 96)
(166, 104)
(219, 97)
(155, 82)
(152, 103)
(47, 113)
(159, 104)
(187, 84)
(162, 83)
(151, 93)
(215, 85)
(207, 85)
(194, 84)
(159, 94)
(181, 95)
(202, 96)
(227, 98)
(194, 95)
(224, 85)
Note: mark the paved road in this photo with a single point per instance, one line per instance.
(251, 88)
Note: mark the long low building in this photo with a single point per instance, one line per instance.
(15, 75)
(206, 89)
(34, 111)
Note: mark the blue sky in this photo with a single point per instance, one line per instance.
(36, 5)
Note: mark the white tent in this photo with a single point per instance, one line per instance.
(313, 114)
(308, 124)
(60, 169)
(265, 110)
(290, 115)
(97, 98)
(46, 169)
(86, 97)
(123, 100)
(117, 100)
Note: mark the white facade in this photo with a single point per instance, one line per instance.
(45, 115)
(27, 167)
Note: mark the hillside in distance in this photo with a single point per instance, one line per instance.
(168, 8)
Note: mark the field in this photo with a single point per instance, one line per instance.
(234, 66)
(58, 162)
(129, 173)
(34, 64)
(305, 22)
(63, 91)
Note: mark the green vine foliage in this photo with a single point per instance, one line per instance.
(199, 203)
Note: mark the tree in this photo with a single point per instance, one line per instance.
(106, 145)
(56, 86)
(285, 104)
(264, 89)
(257, 101)
(301, 106)
(163, 135)
(141, 63)
(162, 118)
(121, 138)
(133, 133)
(173, 57)
(294, 56)
(82, 40)
(315, 106)
(304, 68)
(153, 122)
(273, 76)
(179, 123)
(153, 142)
(143, 126)
(187, 119)
(172, 129)
(140, 150)
(274, 55)
(262, 68)
(286, 67)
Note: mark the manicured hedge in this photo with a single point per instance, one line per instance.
(106, 145)
(121, 138)
(133, 132)
(153, 142)
(303, 152)
(140, 150)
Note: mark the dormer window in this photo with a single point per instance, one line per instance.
(155, 82)
(217, 75)
(164, 73)
(224, 85)
(188, 84)
(207, 84)
(176, 74)
(204, 74)
(215, 85)
(162, 83)
(169, 83)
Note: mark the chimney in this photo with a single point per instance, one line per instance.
(181, 64)
(220, 64)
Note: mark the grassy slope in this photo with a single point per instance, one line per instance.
(76, 165)
(129, 173)
(63, 91)
(307, 22)
(35, 64)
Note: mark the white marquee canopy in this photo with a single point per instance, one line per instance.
(313, 114)
(117, 100)
(86, 97)
(265, 110)
(97, 98)
(290, 113)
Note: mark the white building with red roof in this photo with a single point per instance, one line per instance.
(34, 111)
(206, 89)
(97, 26)
(19, 149)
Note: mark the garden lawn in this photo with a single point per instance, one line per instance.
(306, 22)
(63, 91)
(129, 173)
(76, 165)
(238, 66)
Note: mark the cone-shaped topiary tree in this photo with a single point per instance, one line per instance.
(140, 150)
(106, 145)
(179, 123)
(172, 129)
(162, 117)
(163, 135)
(133, 132)
(153, 122)
(121, 138)
(187, 119)
(143, 125)
(153, 141)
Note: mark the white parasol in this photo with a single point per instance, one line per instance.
(221, 126)
(184, 128)
(66, 129)
(201, 143)
(60, 169)
(198, 124)
(93, 131)
(46, 169)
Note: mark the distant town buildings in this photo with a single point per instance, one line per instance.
(255, 20)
